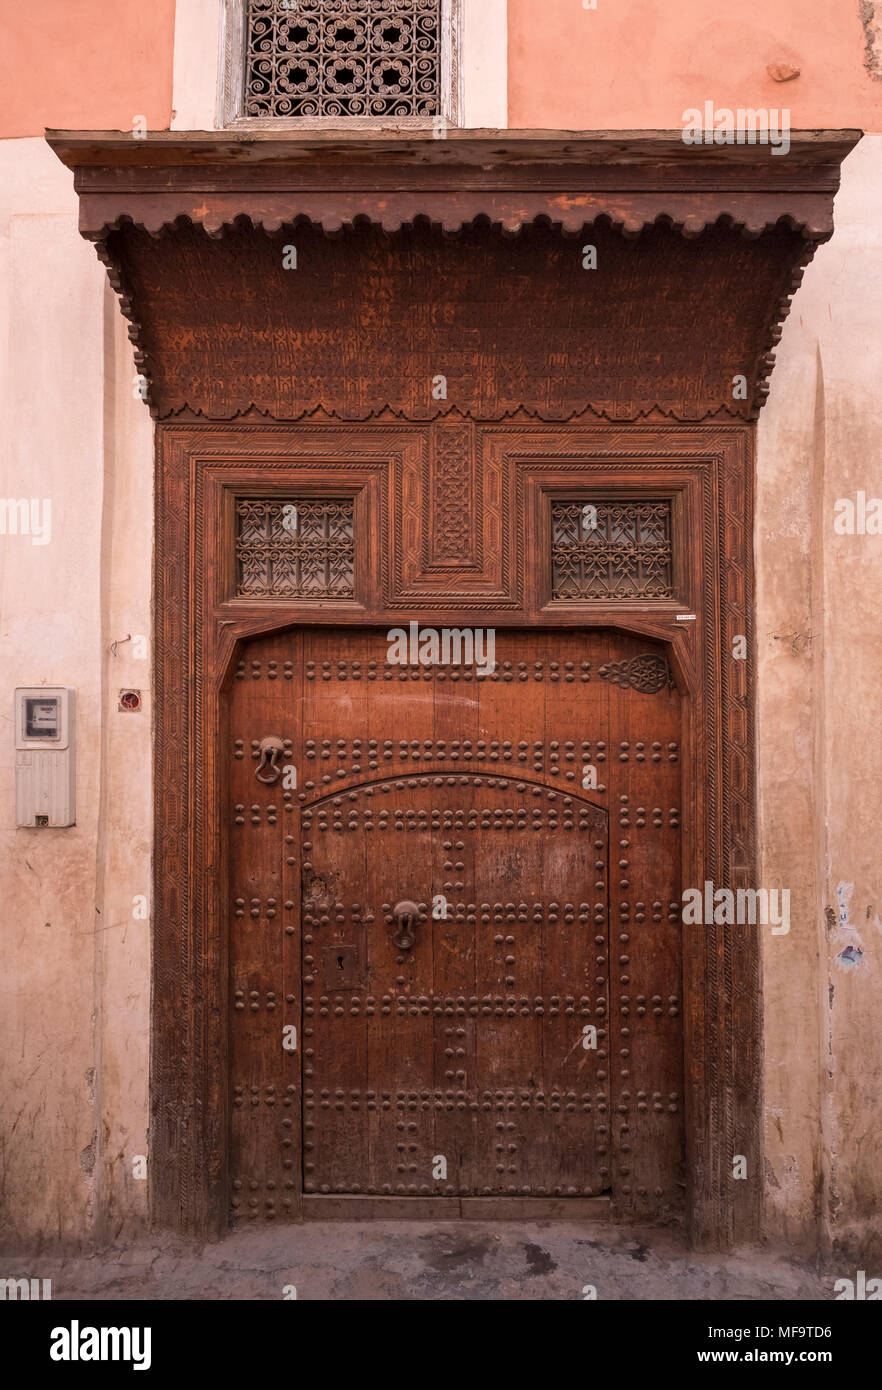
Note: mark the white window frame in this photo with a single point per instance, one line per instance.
(209, 70)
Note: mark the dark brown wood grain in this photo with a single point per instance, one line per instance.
(700, 250)
(464, 794)
(814, 153)
(518, 468)
(367, 323)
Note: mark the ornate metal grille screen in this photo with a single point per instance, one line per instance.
(611, 550)
(343, 58)
(295, 548)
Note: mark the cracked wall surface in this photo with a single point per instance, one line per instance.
(820, 441)
(74, 991)
(871, 20)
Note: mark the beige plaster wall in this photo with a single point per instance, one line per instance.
(74, 989)
(819, 723)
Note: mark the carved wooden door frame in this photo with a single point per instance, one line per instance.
(402, 482)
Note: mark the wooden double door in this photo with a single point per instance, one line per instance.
(454, 928)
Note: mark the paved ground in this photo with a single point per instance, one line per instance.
(429, 1261)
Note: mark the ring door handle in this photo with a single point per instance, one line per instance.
(406, 916)
(269, 752)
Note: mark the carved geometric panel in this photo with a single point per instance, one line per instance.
(303, 548)
(454, 526)
(611, 550)
(343, 58)
(452, 492)
(647, 673)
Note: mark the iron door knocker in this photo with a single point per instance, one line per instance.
(269, 751)
(406, 915)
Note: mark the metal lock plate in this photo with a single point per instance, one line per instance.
(342, 967)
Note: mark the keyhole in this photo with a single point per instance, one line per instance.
(340, 962)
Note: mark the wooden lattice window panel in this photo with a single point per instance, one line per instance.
(343, 58)
(295, 548)
(611, 550)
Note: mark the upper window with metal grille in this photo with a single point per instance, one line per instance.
(620, 549)
(316, 60)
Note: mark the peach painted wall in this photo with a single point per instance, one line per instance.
(86, 64)
(638, 64)
(628, 64)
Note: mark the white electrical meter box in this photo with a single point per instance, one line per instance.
(45, 755)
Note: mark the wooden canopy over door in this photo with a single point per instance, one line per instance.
(445, 363)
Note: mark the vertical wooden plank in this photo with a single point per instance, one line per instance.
(457, 729)
(574, 957)
(646, 911)
(333, 886)
(508, 1045)
(293, 1111)
(259, 1070)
